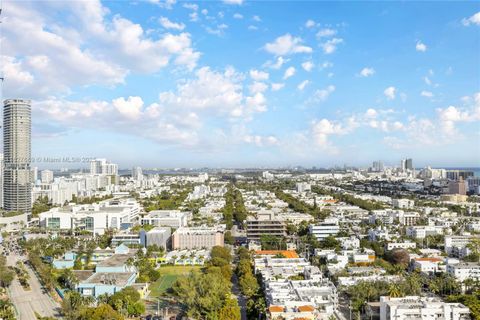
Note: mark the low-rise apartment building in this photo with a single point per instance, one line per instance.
(167, 218)
(329, 227)
(414, 307)
(198, 238)
(464, 271)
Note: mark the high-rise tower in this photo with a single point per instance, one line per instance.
(17, 155)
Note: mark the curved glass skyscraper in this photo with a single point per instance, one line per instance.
(17, 155)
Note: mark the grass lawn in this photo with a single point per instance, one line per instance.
(169, 274)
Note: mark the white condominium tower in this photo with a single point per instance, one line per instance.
(17, 153)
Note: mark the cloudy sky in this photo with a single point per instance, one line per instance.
(239, 83)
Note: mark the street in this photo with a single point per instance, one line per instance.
(27, 302)
(242, 303)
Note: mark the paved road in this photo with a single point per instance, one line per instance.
(27, 302)
(242, 303)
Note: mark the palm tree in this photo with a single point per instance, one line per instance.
(468, 283)
(474, 246)
(414, 283)
(434, 286)
(130, 262)
(394, 290)
(69, 278)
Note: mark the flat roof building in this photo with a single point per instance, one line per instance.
(414, 307)
(265, 223)
(197, 238)
(167, 218)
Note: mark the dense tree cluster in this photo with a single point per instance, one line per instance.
(472, 301)
(412, 284)
(167, 200)
(39, 249)
(207, 294)
(271, 242)
(145, 267)
(300, 206)
(368, 291)
(234, 210)
(7, 310)
(249, 285)
(42, 204)
(6, 274)
(77, 307)
(90, 200)
(364, 204)
(125, 303)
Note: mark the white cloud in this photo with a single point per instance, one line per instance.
(257, 18)
(279, 63)
(261, 141)
(93, 46)
(321, 130)
(420, 46)
(252, 28)
(167, 24)
(451, 115)
(303, 84)
(127, 116)
(390, 93)
(191, 6)
(366, 72)
(257, 87)
(218, 31)
(289, 73)
(309, 24)
(285, 45)
(237, 16)
(371, 113)
(325, 33)
(308, 66)
(15, 73)
(327, 64)
(330, 46)
(220, 93)
(441, 130)
(130, 108)
(321, 95)
(427, 81)
(475, 19)
(237, 2)
(194, 16)
(277, 86)
(167, 4)
(258, 75)
(427, 94)
(204, 12)
(176, 118)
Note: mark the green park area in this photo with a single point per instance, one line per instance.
(168, 275)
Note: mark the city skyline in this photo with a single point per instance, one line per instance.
(148, 84)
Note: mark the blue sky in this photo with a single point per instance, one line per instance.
(240, 83)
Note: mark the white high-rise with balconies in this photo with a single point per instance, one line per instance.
(17, 155)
